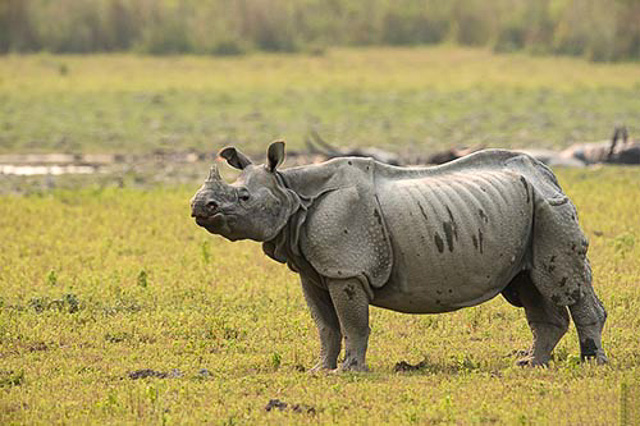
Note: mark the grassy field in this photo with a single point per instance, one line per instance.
(420, 99)
(97, 283)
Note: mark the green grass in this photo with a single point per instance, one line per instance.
(421, 99)
(96, 283)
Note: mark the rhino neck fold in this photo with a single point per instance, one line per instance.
(285, 246)
(337, 212)
(285, 243)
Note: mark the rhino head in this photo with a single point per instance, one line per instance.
(256, 206)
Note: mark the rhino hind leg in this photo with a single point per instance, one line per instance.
(559, 264)
(561, 272)
(589, 317)
(547, 321)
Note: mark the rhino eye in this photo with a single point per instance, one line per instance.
(243, 194)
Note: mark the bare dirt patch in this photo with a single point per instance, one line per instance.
(147, 372)
(276, 404)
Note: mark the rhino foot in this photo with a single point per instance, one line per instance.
(598, 359)
(350, 369)
(530, 361)
(321, 368)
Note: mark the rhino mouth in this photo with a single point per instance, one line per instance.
(209, 220)
(213, 221)
(217, 223)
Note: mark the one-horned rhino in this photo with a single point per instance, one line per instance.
(416, 240)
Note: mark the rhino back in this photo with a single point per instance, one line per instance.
(486, 160)
(457, 237)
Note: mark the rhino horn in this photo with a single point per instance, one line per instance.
(214, 174)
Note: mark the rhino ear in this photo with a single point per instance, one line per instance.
(234, 157)
(275, 155)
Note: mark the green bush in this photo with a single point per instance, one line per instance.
(600, 30)
(510, 39)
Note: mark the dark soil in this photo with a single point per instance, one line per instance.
(276, 404)
(404, 366)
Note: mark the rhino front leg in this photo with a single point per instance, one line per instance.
(352, 306)
(326, 319)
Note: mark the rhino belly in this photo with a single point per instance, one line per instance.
(457, 241)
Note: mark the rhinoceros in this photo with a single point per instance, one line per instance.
(416, 240)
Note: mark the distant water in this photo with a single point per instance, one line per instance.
(9, 169)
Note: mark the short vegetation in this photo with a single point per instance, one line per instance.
(116, 308)
(406, 100)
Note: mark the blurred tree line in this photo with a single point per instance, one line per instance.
(601, 30)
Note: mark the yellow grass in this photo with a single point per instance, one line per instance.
(419, 100)
(399, 69)
(97, 283)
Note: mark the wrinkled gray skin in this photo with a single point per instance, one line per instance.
(417, 240)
